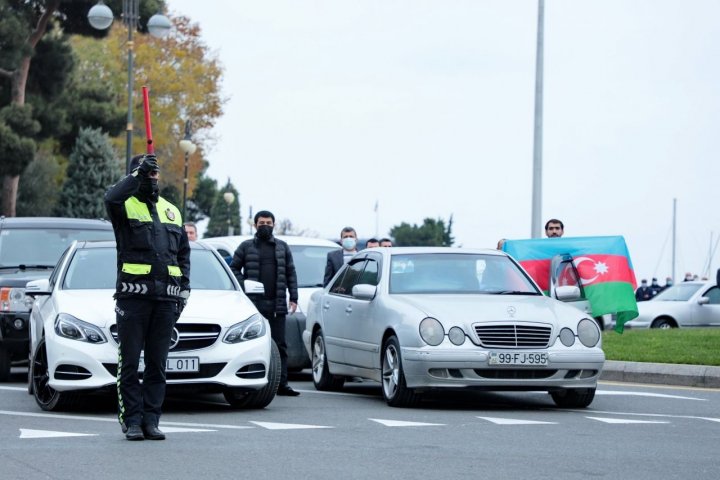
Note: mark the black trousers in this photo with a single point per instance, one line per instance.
(143, 324)
(277, 332)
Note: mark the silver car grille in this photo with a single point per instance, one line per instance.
(513, 336)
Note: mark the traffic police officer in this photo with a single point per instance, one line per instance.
(153, 284)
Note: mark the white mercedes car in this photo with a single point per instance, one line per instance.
(422, 319)
(220, 343)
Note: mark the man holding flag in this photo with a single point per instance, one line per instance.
(602, 263)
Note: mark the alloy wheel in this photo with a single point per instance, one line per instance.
(390, 371)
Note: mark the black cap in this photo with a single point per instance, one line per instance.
(136, 161)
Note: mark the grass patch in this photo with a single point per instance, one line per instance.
(692, 346)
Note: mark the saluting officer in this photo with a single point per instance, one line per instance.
(153, 285)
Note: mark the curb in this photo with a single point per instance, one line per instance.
(662, 373)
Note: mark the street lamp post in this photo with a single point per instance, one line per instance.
(187, 146)
(101, 17)
(229, 198)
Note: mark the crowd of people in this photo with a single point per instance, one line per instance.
(646, 292)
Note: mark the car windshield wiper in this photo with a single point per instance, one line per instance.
(310, 285)
(511, 292)
(24, 266)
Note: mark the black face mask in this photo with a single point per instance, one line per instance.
(149, 189)
(264, 232)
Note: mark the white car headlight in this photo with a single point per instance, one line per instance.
(432, 331)
(250, 329)
(588, 332)
(67, 326)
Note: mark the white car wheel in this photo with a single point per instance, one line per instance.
(46, 397)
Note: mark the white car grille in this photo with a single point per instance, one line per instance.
(191, 336)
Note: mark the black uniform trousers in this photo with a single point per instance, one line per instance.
(143, 324)
(277, 332)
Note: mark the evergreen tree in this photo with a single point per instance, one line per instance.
(432, 233)
(200, 203)
(218, 225)
(39, 187)
(92, 168)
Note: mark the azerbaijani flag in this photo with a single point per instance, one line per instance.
(603, 263)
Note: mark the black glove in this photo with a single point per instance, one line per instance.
(148, 164)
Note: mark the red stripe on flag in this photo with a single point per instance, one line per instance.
(595, 269)
(539, 270)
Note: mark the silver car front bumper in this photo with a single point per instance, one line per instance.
(462, 369)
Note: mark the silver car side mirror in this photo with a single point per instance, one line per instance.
(364, 291)
(567, 293)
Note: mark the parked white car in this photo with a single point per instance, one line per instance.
(310, 258)
(686, 304)
(220, 343)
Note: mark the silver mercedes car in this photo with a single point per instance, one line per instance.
(430, 318)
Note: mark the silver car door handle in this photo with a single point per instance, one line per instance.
(348, 309)
(326, 306)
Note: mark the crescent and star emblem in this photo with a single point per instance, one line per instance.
(599, 268)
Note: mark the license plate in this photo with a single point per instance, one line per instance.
(177, 364)
(518, 358)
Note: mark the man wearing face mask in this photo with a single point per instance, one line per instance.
(268, 260)
(337, 258)
(153, 284)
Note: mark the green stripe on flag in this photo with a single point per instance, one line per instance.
(613, 297)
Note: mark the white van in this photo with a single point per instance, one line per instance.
(310, 258)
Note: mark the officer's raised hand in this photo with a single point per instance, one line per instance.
(147, 165)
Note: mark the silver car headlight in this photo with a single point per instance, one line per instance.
(250, 329)
(456, 336)
(67, 326)
(567, 337)
(588, 332)
(432, 331)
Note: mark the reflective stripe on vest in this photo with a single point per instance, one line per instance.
(174, 271)
(136, 268)
(167, 212)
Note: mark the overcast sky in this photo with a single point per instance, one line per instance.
(426, 107)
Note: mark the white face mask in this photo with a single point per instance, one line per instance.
(348, 243)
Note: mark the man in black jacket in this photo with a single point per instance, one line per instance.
(153, 284)
(268, 260)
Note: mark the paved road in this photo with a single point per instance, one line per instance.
(630, 431)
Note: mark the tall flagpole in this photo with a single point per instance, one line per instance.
(536, 223)
(377, 220)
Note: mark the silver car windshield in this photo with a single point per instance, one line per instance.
(677, 293)
(96, 269)
(458, 273)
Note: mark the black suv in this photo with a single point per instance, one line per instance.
(29, 249)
